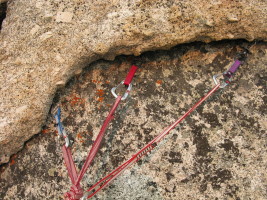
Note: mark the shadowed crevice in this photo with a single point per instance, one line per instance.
(3, 8)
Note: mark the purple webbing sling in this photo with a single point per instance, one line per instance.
(230, 72)
(235, 66)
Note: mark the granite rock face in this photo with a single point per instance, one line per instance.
(45, 42)
(218, 152)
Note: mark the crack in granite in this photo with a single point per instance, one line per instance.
(219, 152)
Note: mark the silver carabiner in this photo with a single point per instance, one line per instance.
(223, 83)
(67, 140)
(113, 91)
(84, 197)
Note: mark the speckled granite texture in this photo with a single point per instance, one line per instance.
(218, 153)
(44, 43)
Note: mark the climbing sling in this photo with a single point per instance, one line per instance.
(76, 192)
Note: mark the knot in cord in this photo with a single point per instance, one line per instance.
(75, 193)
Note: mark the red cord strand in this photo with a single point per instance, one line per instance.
(115, 173)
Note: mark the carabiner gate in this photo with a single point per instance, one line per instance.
(222, 83)
(125, 94)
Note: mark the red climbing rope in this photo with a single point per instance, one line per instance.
(98, 140)
(69, 161)
(151, 145)
(76, 192)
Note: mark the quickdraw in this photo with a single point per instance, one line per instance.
(76, 192)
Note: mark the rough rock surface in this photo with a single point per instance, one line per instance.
(218, 153)
(45, 42)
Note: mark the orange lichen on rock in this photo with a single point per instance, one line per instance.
(100, 93)
(100, 99)
(79, 136)
(12, 162)
(159, 82)
(75, 100)
(45, 131)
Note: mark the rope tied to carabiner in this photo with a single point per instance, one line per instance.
(76, 192)
(102, 183)
(226, 77)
